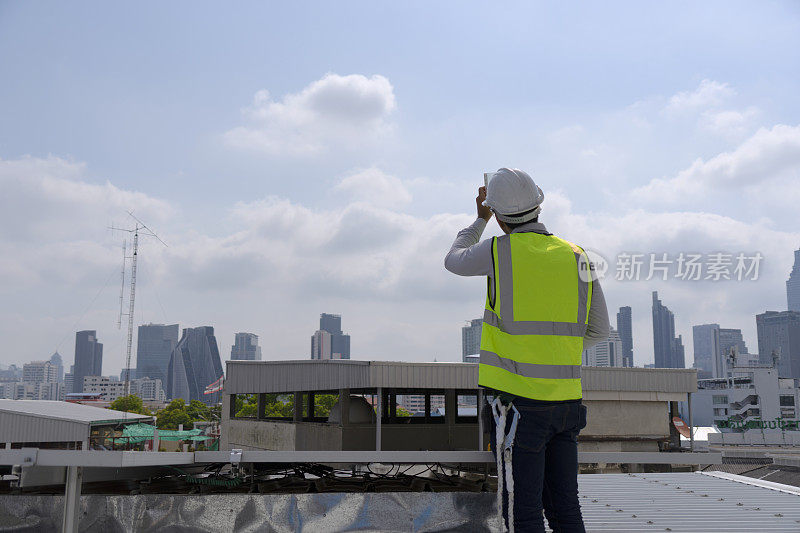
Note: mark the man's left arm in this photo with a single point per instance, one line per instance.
(598, 327)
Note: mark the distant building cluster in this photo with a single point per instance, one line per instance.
(329, 342)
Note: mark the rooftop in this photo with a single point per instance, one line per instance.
(72, 412)
(246, 377)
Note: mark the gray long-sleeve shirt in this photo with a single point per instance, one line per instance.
(469, 256)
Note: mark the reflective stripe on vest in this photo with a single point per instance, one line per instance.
(533, 326)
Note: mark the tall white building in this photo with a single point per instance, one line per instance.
(40, 372)
(607, 352)
(471, 338)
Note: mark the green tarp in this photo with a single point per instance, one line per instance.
(141, 432)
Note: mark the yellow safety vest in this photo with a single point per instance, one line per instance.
(537, 309)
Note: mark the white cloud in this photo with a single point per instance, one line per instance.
(728, 123)
(768, 155)
(332, 112)
(376, 188)
(708, 94)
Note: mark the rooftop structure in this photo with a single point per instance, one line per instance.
(53, 424)
(629, 408)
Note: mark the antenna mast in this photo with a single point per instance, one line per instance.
(138, 228)
(122, 288)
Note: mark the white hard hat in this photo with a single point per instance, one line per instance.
(513, 196)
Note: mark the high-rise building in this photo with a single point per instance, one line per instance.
(730, 338)
(471, 338)
(58, 362)
(245, 347)
(88, 358)
(712, 348)
(705, 338)
(154, 345)
(779, 336)
(793, 285)
(607, 352)
(194, 365)
(69, 380)
(329, 342)
(625, 329)
(40, 372)
(667, 349)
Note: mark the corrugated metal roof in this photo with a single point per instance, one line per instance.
(684, 502)
(243, 377)
(73, 412)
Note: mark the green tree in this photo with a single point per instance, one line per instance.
(174, 414)
(323, 403)
(130, 404)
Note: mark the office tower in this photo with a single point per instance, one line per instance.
(58, 362)
(194, 365)
(88, 358)
(793, 285)
(245, 347)
(328, 342)
(69, 379)
(40, 372)
(608, 352)
(705, 338)
(625, 329)
(731, 338)
(668, 349)
(471, 338)
(154, 345)
(779, 336)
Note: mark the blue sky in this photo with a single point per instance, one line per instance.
(285, 149)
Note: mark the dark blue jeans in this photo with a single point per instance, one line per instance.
(545, 465)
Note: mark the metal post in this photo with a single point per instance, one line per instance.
(691, 425)
(311, 406)
(72, 499)
(378, 416)
(480, 419)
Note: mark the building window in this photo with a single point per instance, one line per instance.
(787, 401)
(720, 399)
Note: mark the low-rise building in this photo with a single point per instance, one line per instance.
(62, 425)
(753, 397)
(629, 409)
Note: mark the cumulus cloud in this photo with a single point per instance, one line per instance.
(709, 93)
(728, 123)
(768, 155)
(376, 188)
(281, 262)
(332, 112)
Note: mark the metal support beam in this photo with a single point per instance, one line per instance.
(72, 499)
(311, 406)
(378, 416)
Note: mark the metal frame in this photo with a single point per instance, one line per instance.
(76, 460)
(121, 459)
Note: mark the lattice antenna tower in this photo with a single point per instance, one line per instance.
(139, 228)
